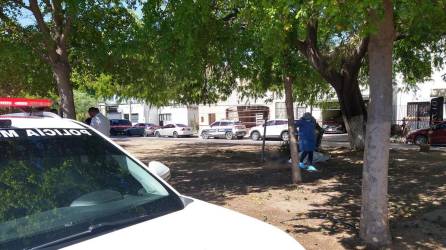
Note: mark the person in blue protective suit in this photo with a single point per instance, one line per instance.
(307, 140)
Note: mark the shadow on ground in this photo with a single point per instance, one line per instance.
(417, 186)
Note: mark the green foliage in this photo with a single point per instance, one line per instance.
(22, 73)
(101, 37)
(83, 101)
(421, 39)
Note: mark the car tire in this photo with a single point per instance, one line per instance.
(255, 136)
(175, 134)
(205, 135)
(157, 134)
(285, 136)
(421, 139)
(229, 135)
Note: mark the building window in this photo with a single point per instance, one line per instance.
(418, 115)
(165, 117)
(202, 119)
(280, 110)
(211, 118)
(112, 109)
(134, 119)
(300, 111)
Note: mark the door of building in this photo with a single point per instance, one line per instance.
(211, 118)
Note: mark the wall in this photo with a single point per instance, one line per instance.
(146, 114)
(275, 104)
(422, 93)
(179, 114)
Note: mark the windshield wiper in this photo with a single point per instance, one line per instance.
(98, 228)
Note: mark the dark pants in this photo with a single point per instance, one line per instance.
(310, 157)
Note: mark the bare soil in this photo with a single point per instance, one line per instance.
(321, 213)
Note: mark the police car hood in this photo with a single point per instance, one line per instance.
(199, 226)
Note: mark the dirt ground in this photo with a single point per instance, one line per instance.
(321, 213)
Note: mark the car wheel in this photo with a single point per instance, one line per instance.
(175, 134)
(229, 135)
(204, 135)
(255, 135)
(421, 139)
(157, 134)
(285, 136)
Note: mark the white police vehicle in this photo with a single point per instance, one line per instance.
(65, 185)
(224, 129)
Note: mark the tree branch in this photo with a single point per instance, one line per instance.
(231, 15)
(48, 5)
(359, 54)
(21, 4)
(58, 16)
(33, 5)
(66, 29)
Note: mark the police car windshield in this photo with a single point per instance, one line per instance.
(55, 183)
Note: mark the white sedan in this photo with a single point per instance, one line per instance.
(74, 188)
(174, 130)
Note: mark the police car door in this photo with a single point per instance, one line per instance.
(212, 131)
(224, 127)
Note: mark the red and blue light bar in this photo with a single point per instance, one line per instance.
(24, 102)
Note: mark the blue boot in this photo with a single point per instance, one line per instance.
(302, 165)
(311, 168)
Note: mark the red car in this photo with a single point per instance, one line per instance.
(149, 128)
(119, 126)
(435, 135)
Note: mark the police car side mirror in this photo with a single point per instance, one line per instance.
(160, 170)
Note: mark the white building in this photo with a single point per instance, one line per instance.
(414, 104)
(140, 112)
(251, 111)
(411, 104)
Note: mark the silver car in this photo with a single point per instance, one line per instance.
(225, 129)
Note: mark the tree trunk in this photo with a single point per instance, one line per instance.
(374, 211)
(353, 111)
(295, 170)
(62, 74)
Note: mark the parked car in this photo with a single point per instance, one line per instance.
(274, 129)
(149, 128)
(119, 126)
(333, 127)
(174, 130)
(74, 188)
(135, 131)
(224, 129)
(434, 135)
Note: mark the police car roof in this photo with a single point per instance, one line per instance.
(40, 122)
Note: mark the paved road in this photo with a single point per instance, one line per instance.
(329, 140)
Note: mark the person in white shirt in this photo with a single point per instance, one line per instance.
(99, 121)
